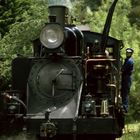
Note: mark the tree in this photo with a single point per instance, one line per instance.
(134, 15)
(94, 5)
(24, 28)
(10, 9)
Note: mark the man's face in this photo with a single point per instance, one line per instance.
(128, 54)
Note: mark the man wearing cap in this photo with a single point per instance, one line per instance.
(127, 70)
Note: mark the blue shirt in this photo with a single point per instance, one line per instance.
(128, 67)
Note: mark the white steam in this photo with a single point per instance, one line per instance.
(66, 3)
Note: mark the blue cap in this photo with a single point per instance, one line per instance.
(129, 50)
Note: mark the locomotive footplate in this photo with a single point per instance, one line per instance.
(87, 126)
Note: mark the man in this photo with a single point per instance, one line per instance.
(127, 70)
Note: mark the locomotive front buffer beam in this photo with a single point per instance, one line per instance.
(69, 127)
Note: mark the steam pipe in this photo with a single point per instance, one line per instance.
(106, 30)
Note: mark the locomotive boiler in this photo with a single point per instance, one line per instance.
(70, 87)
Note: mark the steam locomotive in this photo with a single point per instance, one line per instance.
(70, 88)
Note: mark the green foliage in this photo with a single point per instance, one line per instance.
(82, 10)
(134, 15)
(25, 28)
(9, 13)
(79, 12)
(135, 95)
(93, 4)
(131, 131)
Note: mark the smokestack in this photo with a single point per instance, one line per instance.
(58, 14)
(58, 10)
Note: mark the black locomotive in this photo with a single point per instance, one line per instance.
(70, 88)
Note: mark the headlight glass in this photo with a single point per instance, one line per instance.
(52, 36)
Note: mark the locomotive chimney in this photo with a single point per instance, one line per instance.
(58, 14)
(58, 10)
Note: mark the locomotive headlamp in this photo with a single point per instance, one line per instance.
(52, 36)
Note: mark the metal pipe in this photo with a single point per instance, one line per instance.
(16, 99)
(106, 29)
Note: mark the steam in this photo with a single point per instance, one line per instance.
(66, 3)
